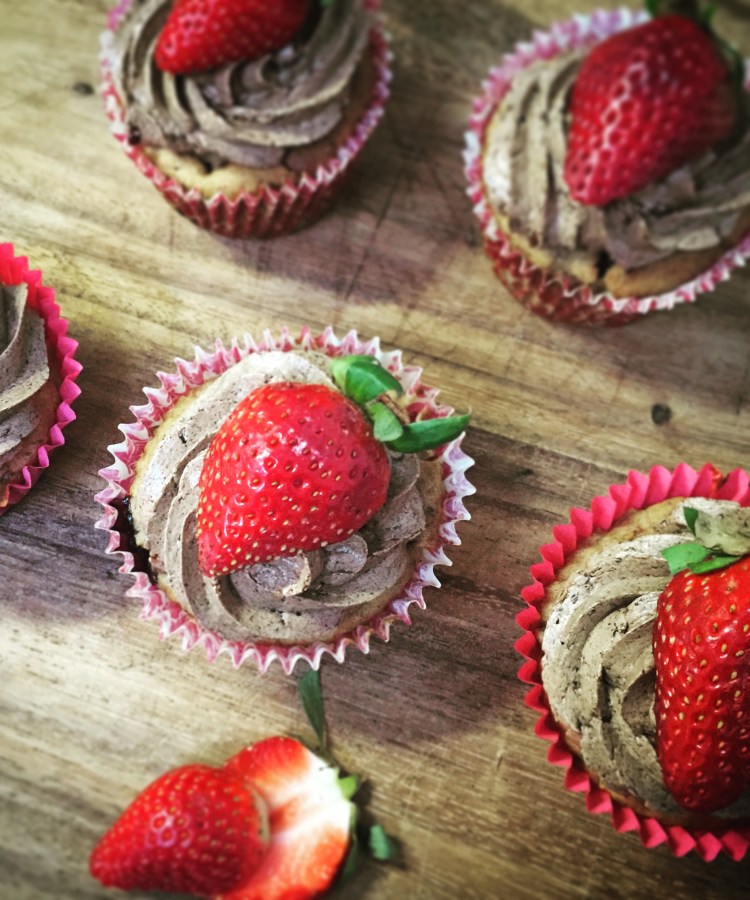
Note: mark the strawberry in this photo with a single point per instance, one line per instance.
(702, 659)
(194, 830)
(310, 820)
(298, 466)
(202, 34)
(644, 102)
(293, 468)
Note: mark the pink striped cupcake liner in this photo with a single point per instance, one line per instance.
(638, 492)
(545, 293)
(61, 350)
(270, 211)
(172, 618)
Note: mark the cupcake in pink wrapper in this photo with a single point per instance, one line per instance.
(284, 590)
(256, 148)
(581, 261)
(589, 631)
(37, 376)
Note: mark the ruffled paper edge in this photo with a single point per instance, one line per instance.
(61, 349)
(270, 211)
(638, 492)
(173, 619)
(577, 301)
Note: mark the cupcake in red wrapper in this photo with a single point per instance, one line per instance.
(590, 628)
(37, 376)
(240, 593)
(585, 261)
(250, 148)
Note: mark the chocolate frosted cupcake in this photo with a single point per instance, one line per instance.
(591, 634)
(608, 261)
(37, 374)
(256, 147)
(290, 590)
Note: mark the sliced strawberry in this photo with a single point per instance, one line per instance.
(194, 830)
(310, 821)
(293, 468)
(202, 34)
(644, 102)
(702, 660)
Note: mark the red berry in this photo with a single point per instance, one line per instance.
(194, 830)
(644, 102)
(702, 657)
(202, 34)
(293, 468)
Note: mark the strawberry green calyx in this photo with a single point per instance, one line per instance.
(713, 550)
(364, 380)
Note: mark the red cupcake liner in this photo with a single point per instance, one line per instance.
(173, 619)
(548, 294)
(638, 492)
(270, 211)
(61, 350)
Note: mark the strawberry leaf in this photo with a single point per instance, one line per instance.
(386, 426)
(691, 515)
(684, 556)
(713, 563)
(362, 378)
(312, 702)
(380, 845)
(428, 433)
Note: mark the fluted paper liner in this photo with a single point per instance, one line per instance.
(638, 492)
(270, 211)
(545, 293)
(61, 350)
(174, 620)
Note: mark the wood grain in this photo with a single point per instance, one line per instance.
(93, 706)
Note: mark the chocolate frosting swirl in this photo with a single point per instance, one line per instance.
(311, 596)
(598, 663)
(250, 113)
(24, 371)
(696, 207)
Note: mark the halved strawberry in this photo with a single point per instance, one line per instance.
(194, 830)
(310, 821)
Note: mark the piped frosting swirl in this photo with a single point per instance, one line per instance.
(254, 113)
(695, 208)
(311, 596)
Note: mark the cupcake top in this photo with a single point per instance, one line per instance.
(308, 596)
(695, 207)
(24, 373)
(252, 113)
(598, 661)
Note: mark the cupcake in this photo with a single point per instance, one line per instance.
(600, 195)
(641, 707)
(262, 512)
(248, 138)
(37, 376)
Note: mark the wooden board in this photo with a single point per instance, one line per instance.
(93, 705)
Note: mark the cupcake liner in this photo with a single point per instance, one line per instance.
(61, 350)
(638, 492)
(173, 619)
(270, 211)
(545, 293)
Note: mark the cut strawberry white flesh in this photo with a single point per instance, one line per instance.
(310, 821)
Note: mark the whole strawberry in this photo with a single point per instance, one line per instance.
(644, 102)
(296, 467)
(194, 830)
(702, 659)
(202, 34)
